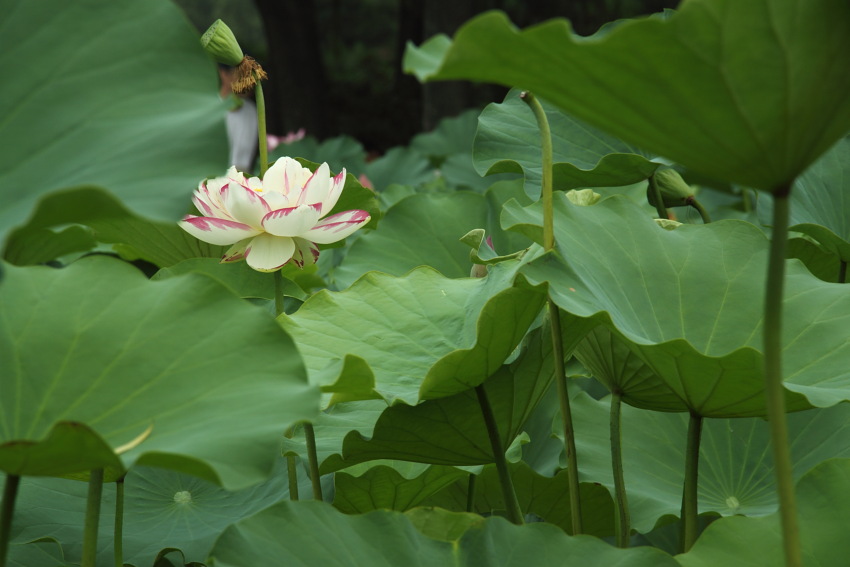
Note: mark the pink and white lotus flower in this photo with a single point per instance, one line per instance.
(271, 222)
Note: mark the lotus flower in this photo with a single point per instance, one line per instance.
(271, 222)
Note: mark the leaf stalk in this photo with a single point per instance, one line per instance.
(622, 501)
(95, 494)
(690, 505)
(7, 513)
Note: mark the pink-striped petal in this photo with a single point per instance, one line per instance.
(267, 253)
(217, 231)
(317, 187)
(334, 192)
(292, 221)
(336, 227)
(236, 252)
(306, 253)
(286, 176)
(244, 205)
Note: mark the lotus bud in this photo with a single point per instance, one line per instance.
(221, 44)
(668, 224)
(583, 197)
(674, 191)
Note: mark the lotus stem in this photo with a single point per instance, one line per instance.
(690, 507)
(7, 512)
(622, 517)
(842, 271)
(118, 537)
(470, 493)
(746, 196)
(515, 514)
(774, 393)
(89, 558)
(554, 313)
(261, 125)
(692, 201)
(313, 460)
(292, 472)
(659, 200)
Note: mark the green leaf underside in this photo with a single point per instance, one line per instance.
(689, 303)
(96, 343)
(92, 107)
(383, 538)
(423, 335)
(642, 80)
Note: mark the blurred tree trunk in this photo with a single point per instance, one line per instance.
(296, 91)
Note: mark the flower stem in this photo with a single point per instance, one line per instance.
(7, 512)
(659, 200)
(89, 558)
(313, 460)
(508, 493)
(554, 313)
(690, 509)
(774, 393)
(842, 272)
(118, 537)
(293, 477)
(692, 201)
(623, 521)
(261, 125)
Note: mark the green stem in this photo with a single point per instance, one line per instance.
(566, 419)
(7, 512)
(842, 272)
(692, 201)
(560, 373)
(261, 125)
(292, 471)
(89, 558)
(622, 518)
(746, 196)
(508, 493)
(774, 393)
(278, 293)
(118, 537)
(690, 509)
(470, 493)
(659, 200)
(313, 460)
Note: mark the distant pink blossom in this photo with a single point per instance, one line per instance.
(274, 141)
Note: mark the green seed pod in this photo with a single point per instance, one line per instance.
(674, 191)
(221, 44)
(583, 197)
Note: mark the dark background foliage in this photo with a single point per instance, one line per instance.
(335, 66)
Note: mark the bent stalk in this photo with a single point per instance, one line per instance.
(622, 502)
(554, 313)
(774, 392)
(508, 493)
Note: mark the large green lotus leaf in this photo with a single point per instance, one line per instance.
(820, 262)
(425, 230)
(98, 344)
(452, 136)
(508, 140)
(690, 302)
(440, 524)
(44, 553)
(748, 92)
(161, 243)
(820, 206)
(325, 536)
(404, 166)
(101, 102)
(364, 488)
(423, 335)
(545, 497)
(823, 503)
(445, 431)
(162, 509)
(736, 474)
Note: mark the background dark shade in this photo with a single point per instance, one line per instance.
(335, 65)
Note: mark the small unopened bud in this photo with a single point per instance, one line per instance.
(478, 271)
(583, 197)
(674, 191)
(221, 44)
